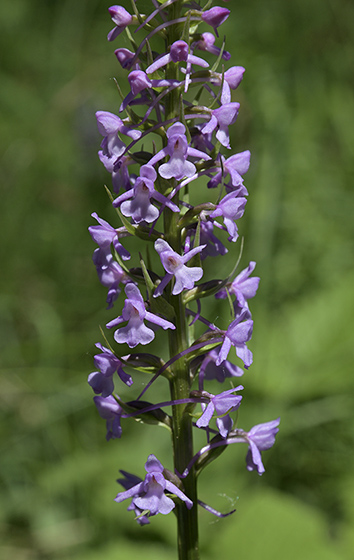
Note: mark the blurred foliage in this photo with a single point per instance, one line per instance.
(57, 471)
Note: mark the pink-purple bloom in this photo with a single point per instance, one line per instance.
(229, 80)
(136, 332)
(206, 43)
(214, 246)
(219, 405)
(209, 370)
(102, 381)
(179, 52)
(174, 264)
(235, 166)
(215, 17)
(238, 333)
(121, 18)
(177, 148)
(260, 438)
(104, 234)
(149, 495)
(124, 57)
(242, 287)
(230, 208)
(221, 119)
(112, 147)
(111, 411)
(136, 202)
(109, 272)
(139, 81)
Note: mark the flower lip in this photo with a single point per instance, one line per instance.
(172, 261)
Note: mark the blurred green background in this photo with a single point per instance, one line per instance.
(297, 118)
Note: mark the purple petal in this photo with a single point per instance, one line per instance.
(153, 464)
(101, 384)
(159, 321)
(254, 459)
(206, 416)
(130, 493)
(108, 123)
(224, 351)
(134, 333)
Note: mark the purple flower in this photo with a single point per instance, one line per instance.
(221, 119)
(214, 246)
(108, 364)
(209, 370)
(124, 57)
(109, 272)
(231, 79)
(206, 43)
(121, 18)
(149, 495)
(178, 53)
(174, 264)
(104, 234)
(236, 166)
(220, 404)
(233, 76)
(231, 208)
(238, 333)
(215, 17)
(139, 81)
(243, 287)
(260, 437)
(178, 150)
(140, 207)
(136, 332)
(109, 410)
(101, 384)
(112, 146)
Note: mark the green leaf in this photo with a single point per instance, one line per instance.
(130, 37)
(142, 361)
(186, 29)
(157, 417)
(204, 290)
(141, 157)
(209, 336)
(192, 214)
(217, 62)
(209, 456)
(193, 27)
(149, 283)
(160, 306)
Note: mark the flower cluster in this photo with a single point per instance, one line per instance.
(184, 101)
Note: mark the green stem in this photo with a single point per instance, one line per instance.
(182, 435)
(180, 384)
